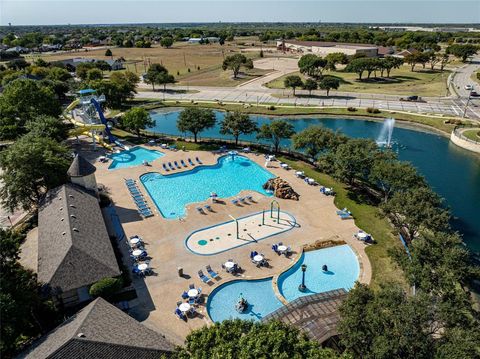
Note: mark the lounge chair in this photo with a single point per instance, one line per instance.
(198, 160)
(165, 167)
(171, 166)
(235, 201)
(203, 277)
(190, 161)
(176, 164)
(208, 207)
(184, 295)
(200, 210)
(212, 273)
(241, 199)
(183, 163)
(250, 198)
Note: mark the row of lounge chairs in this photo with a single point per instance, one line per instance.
(176, 166)
(137, 196)
(211, 272)
(244, 200)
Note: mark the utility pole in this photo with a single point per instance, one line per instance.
(466, 107)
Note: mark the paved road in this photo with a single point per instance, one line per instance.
(462, 77)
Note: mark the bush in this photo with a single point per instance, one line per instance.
(178, 73)
(198, 67)
(104, 200)
(373, 110)
(108, 52)
(271, 108)
(189, 69)
(106, 287)
(352, 109)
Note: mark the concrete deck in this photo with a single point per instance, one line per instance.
(315, 215)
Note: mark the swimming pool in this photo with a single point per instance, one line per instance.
(343, 271)
(231, 175)
(259, 294)
(133, 157)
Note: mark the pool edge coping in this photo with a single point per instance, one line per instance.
(140, 164)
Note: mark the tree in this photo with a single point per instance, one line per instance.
(316, 139)
(82, 69)
(108, 52)
(248, 339)
(335, 58)
(31, 166)
(462, 51)
(154, 72)
(310, 85)
(312, 65)
(390, 63)
(24, 313)
(166, 42)
(236, 124)
(137, 119)
(275, 131)
(328, 82)
(164, 79)
(293, 81)
(195, 120)
(391, 176)
(48, 127)
(386, 324)
(106, 287)
(444, 60)
(434, 58)
(235, 62)
(415, 209)
(103, 65)
(94, 74)
(120, 87)
(357, 66)
(58, 74)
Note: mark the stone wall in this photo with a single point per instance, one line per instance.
(464, 143)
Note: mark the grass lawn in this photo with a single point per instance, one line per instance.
(402, 82)
(435, 122)
(474, 77)
(368, 218)
(473, 135)
(215, 76)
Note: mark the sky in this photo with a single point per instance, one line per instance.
(41, 12)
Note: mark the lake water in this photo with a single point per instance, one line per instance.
(452, 172)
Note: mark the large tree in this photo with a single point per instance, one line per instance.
(237, 123)
(275, 131)
(335, 58)
(462, 51)
(137, 119)
(315, 140)
(249, 340)
(166, 42)
(31, 166)
(312, 65)
(119, 88)
(235, 62)
(310, 85)
(154, 72)
(293, 81)
(49, 127)
(329, 82)
(195, 120)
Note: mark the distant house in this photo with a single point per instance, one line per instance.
(100, 330)
(115, 64)
(403, 53)
(197, 40)
(194, 40)
(18, 49)
(323, 48)
(71, 64)
(74, 249)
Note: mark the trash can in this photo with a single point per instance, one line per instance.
(180, 271)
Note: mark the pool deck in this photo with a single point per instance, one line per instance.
(165, 238)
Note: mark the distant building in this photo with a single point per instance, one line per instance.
(71, 64)
(19, 49)
(323, 48)
(401, 54)
(100, 330)
(74, 248)
(197, 40)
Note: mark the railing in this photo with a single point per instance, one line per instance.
(457, 131)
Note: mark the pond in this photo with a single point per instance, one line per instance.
(452, 172)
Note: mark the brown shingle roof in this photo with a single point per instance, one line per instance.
(316, 315)
(103, 331)
(80, 167)
(74, 249)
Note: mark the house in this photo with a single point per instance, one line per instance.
(403, 53)
(100, 331)
(71, 64)
(323, 48)
(18, 49)
(115, 64)
(74, 249)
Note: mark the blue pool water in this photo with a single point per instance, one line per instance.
(171, 193)
(452, 172)
(343, 271)
(133, 157)
(258, 293)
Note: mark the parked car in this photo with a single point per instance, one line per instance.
(412, 99)
(474, 94)
(468, 87)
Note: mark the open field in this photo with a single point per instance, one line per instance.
(402, 82)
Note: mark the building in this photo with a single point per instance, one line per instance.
(323, 48)
(100, 331)
(74, 248)
(71, 64)
(198, 40)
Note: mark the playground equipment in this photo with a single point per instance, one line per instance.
(275, 205)
(87, 116)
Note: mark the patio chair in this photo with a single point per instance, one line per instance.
(192, 301)
(203, 277)
(200, 210)
(198, 160)
(241, 199)
(191, 286)
(192, 311)
(183, 163)
(165, 167)
(178, 303)
(275, 248)
(190, 161)
(184, 295)
(179, 314)
(199, 291)
(176, 164)
(212, 273)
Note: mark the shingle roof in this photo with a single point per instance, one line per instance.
(100, 331)
(317, 314)
(74, 249)
(80, 167)
(330, 44)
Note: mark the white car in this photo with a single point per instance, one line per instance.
(468, 87)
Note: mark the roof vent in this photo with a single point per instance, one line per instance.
(64, 233)
(81, 335)
(61, 208)
(73, 216)
(72, 206)
(62, 219)
(59, 198)
(75, 229)
(70, 195)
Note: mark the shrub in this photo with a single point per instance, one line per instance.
(198, 67)
(178, 73)
(108, 52)
(104, 200)
(189, 69)
(373, 110)
(271, 108)
(352, 109)
(478, 75)
(106, 287)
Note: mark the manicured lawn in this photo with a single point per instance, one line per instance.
(473, 135)
(368, 218)
(215, 76)
(402, 82)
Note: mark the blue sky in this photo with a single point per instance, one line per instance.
(21, 12)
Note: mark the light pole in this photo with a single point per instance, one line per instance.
(302, 287)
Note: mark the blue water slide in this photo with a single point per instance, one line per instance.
(111, 138)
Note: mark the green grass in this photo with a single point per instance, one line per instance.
(370, 219)
(475, 78)
(473, 134)
(402, 82)
(431, 121)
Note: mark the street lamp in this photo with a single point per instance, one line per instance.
(302, 287)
